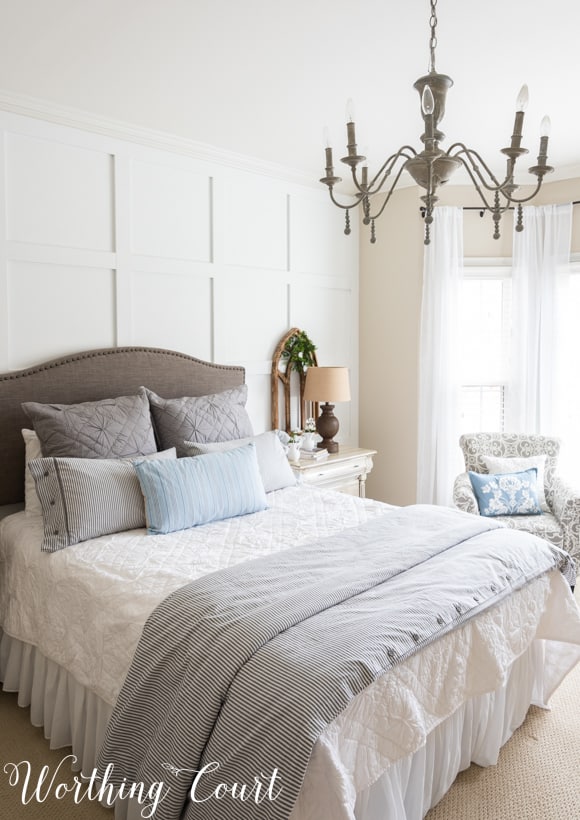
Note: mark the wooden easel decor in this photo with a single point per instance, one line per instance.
(283, 365)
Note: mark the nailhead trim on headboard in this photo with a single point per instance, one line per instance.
(93, 375)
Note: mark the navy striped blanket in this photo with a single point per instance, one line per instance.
(238, 673)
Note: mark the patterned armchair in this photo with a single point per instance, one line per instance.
(561, 525)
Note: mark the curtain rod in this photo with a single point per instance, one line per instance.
(482, 210)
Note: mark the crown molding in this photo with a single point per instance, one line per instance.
(87, 121)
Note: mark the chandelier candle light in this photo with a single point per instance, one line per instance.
(432, 166)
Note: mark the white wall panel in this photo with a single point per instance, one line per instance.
(58, 194)
(172, 312)
(327, 314)
(317, 241)
(250, 316)
(170, 212)
(258, 409)
(251, 222)
(347, 433)
(55, 310)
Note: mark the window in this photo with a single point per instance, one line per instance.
(485, 316)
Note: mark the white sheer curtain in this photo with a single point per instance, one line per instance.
(540, 277)
(438, 456)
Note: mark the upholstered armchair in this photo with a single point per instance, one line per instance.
(561, 523)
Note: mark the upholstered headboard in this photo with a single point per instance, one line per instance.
(93, 375)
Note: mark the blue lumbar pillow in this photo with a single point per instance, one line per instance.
(508, 493)
(202, 489)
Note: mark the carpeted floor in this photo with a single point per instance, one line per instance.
(538, 773)
(20, 741)
(537, 777)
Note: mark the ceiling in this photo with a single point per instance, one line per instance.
(263, 78)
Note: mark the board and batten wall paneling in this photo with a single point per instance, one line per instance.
(251, 219)
(313, 219)
(105, 241)
(250, 315)
(58, 194)
(172, 310)
(170, 211)
(50, 304)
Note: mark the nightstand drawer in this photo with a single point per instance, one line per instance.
(345, 471)
(328, 472)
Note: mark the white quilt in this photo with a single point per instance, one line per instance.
(91, 599)
(90, 602)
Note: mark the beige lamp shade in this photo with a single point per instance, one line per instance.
(330, 384)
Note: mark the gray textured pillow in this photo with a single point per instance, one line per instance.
(217, 417)
(275, 471)
(110, 428)
(83, 498)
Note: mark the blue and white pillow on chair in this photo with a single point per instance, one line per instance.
(507, 494)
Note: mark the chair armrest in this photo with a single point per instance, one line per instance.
(463, 496)
(565, 503)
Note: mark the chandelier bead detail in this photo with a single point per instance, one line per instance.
(432, 167)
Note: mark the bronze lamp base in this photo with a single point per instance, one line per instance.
(327, 426)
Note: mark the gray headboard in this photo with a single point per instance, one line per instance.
(92, 375)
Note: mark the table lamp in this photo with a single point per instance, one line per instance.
(328, 385)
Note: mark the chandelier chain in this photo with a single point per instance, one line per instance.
(433, 38)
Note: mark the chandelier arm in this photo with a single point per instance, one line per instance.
(359, 199)
(476, 185)
(388, 195)
(521, 201)
(469, 167)
(384, 171)
(471, 153)
(362, 191)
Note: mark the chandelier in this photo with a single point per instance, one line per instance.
(432, 166)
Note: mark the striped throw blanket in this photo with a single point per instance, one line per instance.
(238, 673)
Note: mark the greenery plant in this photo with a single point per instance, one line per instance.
(298, 353)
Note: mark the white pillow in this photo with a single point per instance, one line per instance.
(31, 450)
(275, 470)
(499, 466)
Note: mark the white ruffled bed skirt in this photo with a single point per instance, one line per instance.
(73, 716)
(70, 714)
(474, 733)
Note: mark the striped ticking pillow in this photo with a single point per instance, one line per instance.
(83, 498)
(196, 490)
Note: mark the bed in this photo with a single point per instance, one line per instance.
(73, 619)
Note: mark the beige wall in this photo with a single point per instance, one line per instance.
(390, 308)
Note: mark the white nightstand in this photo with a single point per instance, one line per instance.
(345, 471)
